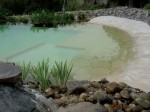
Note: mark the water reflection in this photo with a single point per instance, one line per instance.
(2, 30)
(38, 29)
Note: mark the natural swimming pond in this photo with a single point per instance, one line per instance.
(95, 51)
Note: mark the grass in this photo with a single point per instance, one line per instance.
(60, 73)
(41, 74)
(25, 68)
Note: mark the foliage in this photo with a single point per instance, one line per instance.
(72, 5)
(40, 74)
(18, 19)
(46, 18)
(60, 73)
(25, 68)
(14, 6)
(42, 17)
(81, 17)
(147, 6)
(3, 14)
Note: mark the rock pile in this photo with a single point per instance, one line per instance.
(102, 96)
(125, 12)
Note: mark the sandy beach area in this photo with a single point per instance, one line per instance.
(137, 72)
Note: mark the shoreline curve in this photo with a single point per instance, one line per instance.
(137, 72)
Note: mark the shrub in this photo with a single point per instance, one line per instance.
(49, 19)
(147, 6)
(60, 73)
(40, 74)
(42, 18)
(81, 17)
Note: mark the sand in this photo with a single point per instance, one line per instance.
(137, 72)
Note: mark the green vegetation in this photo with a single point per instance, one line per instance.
(25, 68)
(49, 19)
(147, 6)
(60, 73)
(73, 5)
(18, 19)
(3, 14)
(41, 74)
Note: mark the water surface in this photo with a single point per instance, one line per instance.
(95, 51)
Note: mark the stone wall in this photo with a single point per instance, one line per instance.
(125, 12)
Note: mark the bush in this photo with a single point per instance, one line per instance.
(147, 6)
(42, 18)
(41, 74)
(60, 73)
(49, 19)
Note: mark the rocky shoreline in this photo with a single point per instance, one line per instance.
(124, 12)
(98, 96)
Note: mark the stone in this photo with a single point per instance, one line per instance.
(59, 102)
(103, 81)
(74, 99)
(95, 84)
(108, 108)
(76, 87)
(9, 73)
(143, 103)
(134, 95)
(122, 84)
(102, 97)
(31, 85)
(145, 96)
(137, 108)
(125, 94)
(132, 105)
(14, 100)
(81, 107)
(50, 92)
(145, 110)
(113, 87)
(117, 96)
(83, 96)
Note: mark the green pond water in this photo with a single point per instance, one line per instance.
(95, 51)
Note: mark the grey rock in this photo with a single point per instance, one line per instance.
(145, 96)
(137, 108)
(117, 95)
(143, 103)
(76, 87)
(134, 95)
(81, 107)
(125, 94)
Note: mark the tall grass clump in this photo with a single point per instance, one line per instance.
(60, 73)
(40, 74)
(25, 69)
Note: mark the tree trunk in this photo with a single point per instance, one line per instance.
(63, 7)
